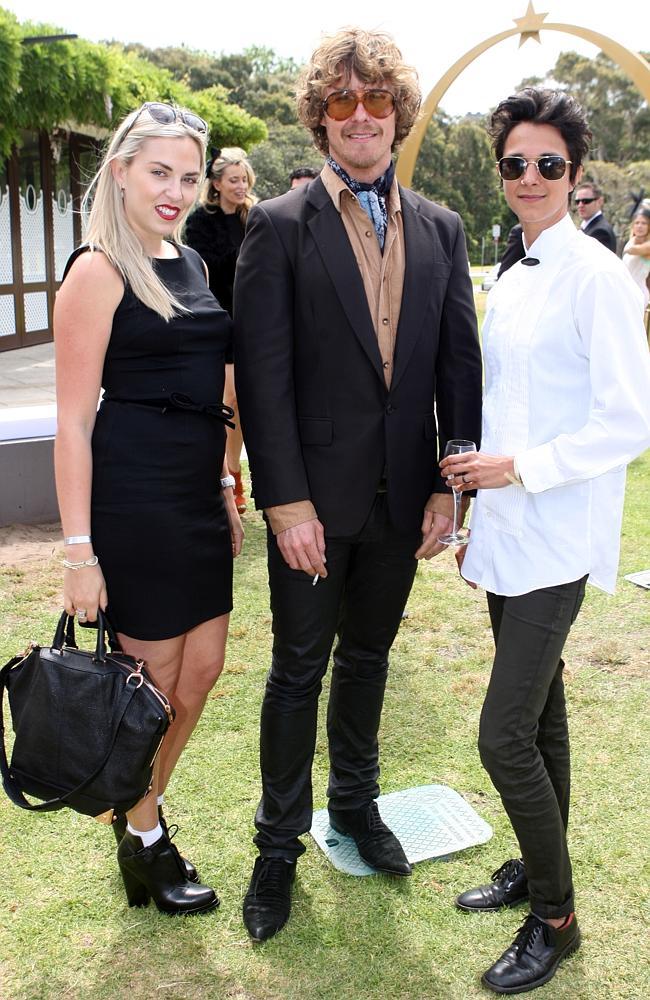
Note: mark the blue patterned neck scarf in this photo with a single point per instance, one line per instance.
(371, 197)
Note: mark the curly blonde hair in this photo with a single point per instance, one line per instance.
(374, 57)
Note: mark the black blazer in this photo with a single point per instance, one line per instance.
(513, 251)
(601, 230)
(318, 420)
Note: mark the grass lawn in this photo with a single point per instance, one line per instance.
(65, 929)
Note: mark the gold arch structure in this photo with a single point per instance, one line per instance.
(528, 26)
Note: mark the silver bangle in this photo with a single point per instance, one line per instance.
(80, 565)
(227, 481)
(76, 539)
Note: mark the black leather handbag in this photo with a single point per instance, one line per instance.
(88, 726)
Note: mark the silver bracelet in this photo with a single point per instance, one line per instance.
(227, 481)
(76, 539)
(80, 565)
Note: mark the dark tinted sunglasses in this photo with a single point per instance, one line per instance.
(343, 103)
(167, 114)
(551, 167)
(585, 201)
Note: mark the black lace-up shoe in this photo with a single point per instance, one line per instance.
(377, 845)
(533, 957)
(267, 904)
(509, 887)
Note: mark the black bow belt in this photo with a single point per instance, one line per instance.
(180, 401)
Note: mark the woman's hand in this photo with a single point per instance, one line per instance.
(236, 527)
(474, 470)
(84, 590)
(460, 558)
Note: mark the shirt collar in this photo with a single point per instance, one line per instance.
(550, 241)
(587, 222)
(338, 189)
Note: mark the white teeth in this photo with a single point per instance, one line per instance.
(170, 212)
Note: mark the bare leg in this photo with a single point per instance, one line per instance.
(163, 659)
(186, 669)
(234, 440)
(203, 659)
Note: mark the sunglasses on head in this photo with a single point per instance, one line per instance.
(585, 201)
(167, 114)
(343, 103)
(551, 167)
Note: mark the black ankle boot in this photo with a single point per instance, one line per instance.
(119, 829)
(157, 872)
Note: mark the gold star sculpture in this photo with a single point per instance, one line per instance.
(530, 24)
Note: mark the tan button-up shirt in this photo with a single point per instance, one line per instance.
(383, 281)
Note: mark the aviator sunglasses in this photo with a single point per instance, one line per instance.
(343, 103)
(551, 167)
(585, 201)
(166, 114)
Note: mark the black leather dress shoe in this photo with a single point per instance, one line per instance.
(509, 887)
(267, 904)
(533, 957)
(377, 845)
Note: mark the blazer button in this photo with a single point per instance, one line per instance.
(390, 409)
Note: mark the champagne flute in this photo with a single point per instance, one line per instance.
(458, 536)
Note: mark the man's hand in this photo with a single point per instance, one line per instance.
(433, 525)
(303, 547)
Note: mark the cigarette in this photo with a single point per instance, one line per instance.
(315, 580)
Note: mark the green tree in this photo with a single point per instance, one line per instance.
(46, 85)
(456, 168)
(287, 147)
(618, 115)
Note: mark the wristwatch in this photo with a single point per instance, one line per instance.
(227, 481)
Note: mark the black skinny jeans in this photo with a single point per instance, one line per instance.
(362, 599)
(524, 735)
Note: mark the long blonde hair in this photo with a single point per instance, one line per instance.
(233, 156)
(106, 225)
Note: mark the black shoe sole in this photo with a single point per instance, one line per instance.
(192, 912)
(569, 950)
(491, 909)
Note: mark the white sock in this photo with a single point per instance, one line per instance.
(160, 799)
(148, 837)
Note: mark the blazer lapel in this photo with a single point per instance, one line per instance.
(338, 257)
(421, 244)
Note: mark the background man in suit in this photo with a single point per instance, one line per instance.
(589, 200)
(357, 359)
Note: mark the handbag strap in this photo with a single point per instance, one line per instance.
(64, 635)
(10, 784)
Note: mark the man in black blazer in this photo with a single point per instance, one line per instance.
(589, 201)
(357, 359)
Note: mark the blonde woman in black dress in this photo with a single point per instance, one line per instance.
(146, 501)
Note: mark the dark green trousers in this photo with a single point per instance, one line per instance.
(524, 735)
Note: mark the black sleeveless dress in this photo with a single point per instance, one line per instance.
(158, 518)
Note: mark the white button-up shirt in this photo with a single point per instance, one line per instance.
(567, 393)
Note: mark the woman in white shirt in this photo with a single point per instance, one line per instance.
(636, 252)
(567, 406)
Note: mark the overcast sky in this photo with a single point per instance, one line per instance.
(431, 41)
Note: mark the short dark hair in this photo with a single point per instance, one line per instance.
(597, 191)
(543, 107)
(301, 172)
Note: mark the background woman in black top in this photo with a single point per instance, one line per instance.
(216, 230)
